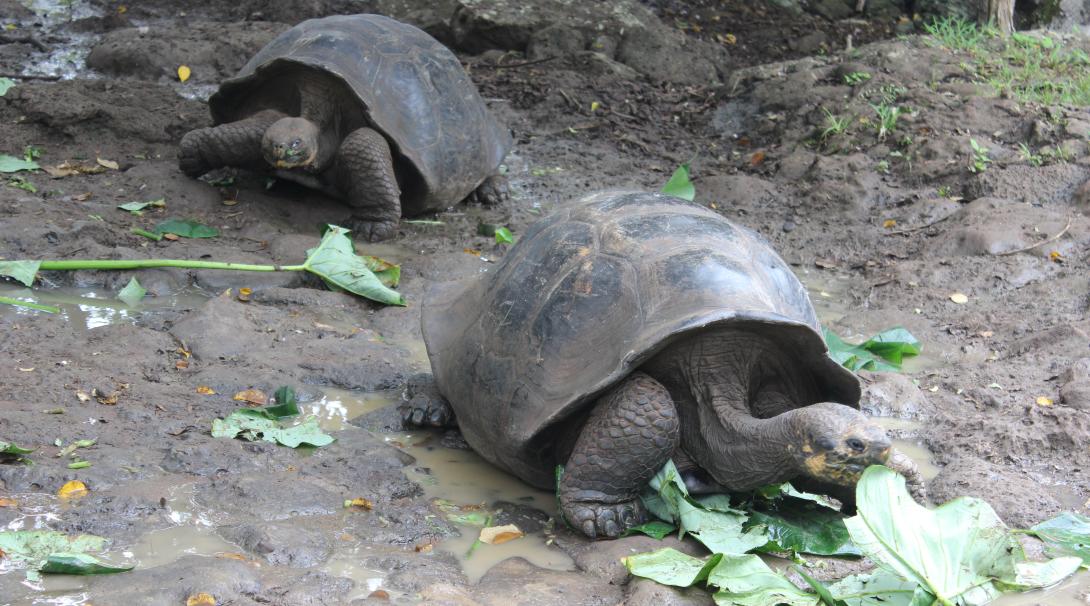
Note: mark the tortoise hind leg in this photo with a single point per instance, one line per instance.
(426, 407)
(232, 144)
(628, 437)
(365, 173)
(494, 190)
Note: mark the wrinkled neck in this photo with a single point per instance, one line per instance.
(743, 452)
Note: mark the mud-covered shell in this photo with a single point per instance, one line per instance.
(411, 87)
(587, 295)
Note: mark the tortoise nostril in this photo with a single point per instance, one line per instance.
(856, 444)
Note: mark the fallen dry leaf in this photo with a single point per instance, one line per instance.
(184, 72)
(171, 237)
(200, 599)
(205, 390)
(424, 548)
(252, 396)
(7, 502)
(82, 197)
(108, 399)
(1055, 256)
(1043, 401)
(889, 223)
(181, 364)
(108, 163)
(230, 555)
(379, 594)
(72, 490)
(495, 535)
(244, 293)
(959, 298)
(360, 503)
(757, 158)
(472, 251)
(83, 396)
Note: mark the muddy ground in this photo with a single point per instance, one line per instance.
(883, 230)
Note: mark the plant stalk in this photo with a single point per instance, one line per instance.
(146, 263)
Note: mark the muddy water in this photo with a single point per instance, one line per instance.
(90, 308)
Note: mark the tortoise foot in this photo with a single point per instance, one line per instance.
(604, 520)
(914, 481)
(372, 231)
(426, 406)
(189, 155)
(493, 191)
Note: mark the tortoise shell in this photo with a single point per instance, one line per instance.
(409, 86)
(586, 296)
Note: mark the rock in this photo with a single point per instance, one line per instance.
(602, 559)
(887, 394)
(313, 589)
(213, 51)
(645, 592)
(624, 30)
(1019, 499)
(1052, 184)
(284, 543)
(1076, 394)
(231, 581)
(833, 10)
(516, 581)
(994, 226)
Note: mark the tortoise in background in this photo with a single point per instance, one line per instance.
(629, 328)
(361, 107)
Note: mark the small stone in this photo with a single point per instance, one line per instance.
(789, 226)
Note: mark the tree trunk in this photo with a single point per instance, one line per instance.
(999, 13)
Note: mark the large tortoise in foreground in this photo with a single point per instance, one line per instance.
(364, 108)
(629, 328)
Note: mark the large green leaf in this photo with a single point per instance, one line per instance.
(33, 548)
(335, 262)
(720, 529)
(11, 164)
(1066, 534)
(5, 85)
(78, 563)
(745, 580)
(23, 271)
(656, 529)
(1034, 575)
(254, 424)
(679, 184)
(11, 448)
(186, 229)
(800, 528)
(882, 352)
(954, 552)
(669, 566)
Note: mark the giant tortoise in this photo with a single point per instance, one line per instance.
(629, 328)
(364, 108)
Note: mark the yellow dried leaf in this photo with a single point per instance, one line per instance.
(82, 396)
(424, 548)
(229, 555)
(72, 490)
(171, 237)
(107, 399)
(889, 223)
(379, 594)
(230, 202)
(1043, 401)
(495, 535)
(1055, 256)
(244, 293)
(472, 251)
(252, 396)
(184, 72)
(82, 197)
(959, 298)
(205, 390)
(594, 105)
(359, 502)
(185, 352)
(200, 599)
(121, 10)
(108, 163)
(7, 502)
(31, 369)
(181, 364)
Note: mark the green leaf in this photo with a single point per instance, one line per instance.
(136, 207)
(79, 465)
(883, 352)
(823, 592)
(720, 530)
(255, 424)
(5, 85)
(877, 588)
(387, 273)
(32, 548)
(802, 527)
(1034, 575)
(953, 552)
(23, 271)
(11, 164)
(334, 261)
(133, 293)
(11, 449)
(1066, 534)
(679, 184)
(186, 229)
(655, 528)
(745, 580)
(669, 566)
(29, 305)
(503, 236)
(78, 563)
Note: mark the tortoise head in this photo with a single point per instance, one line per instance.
(834, 443)
(291, 143)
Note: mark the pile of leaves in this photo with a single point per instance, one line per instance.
(960, 553)
(51, 552)
(255, 424)
(884, 351)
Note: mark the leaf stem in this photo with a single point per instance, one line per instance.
(39, 307)
(67, 264)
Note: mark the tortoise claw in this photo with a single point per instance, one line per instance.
(604, 520)
(426, 406)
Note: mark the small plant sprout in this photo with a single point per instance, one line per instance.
(944, 191)
(980, 160)
(856, 78)
(887, 119)
(883, 167)
(1027, 154)
(833, 124)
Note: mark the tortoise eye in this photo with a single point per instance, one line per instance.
(856, 444)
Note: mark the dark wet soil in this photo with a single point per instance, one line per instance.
(883, 232)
